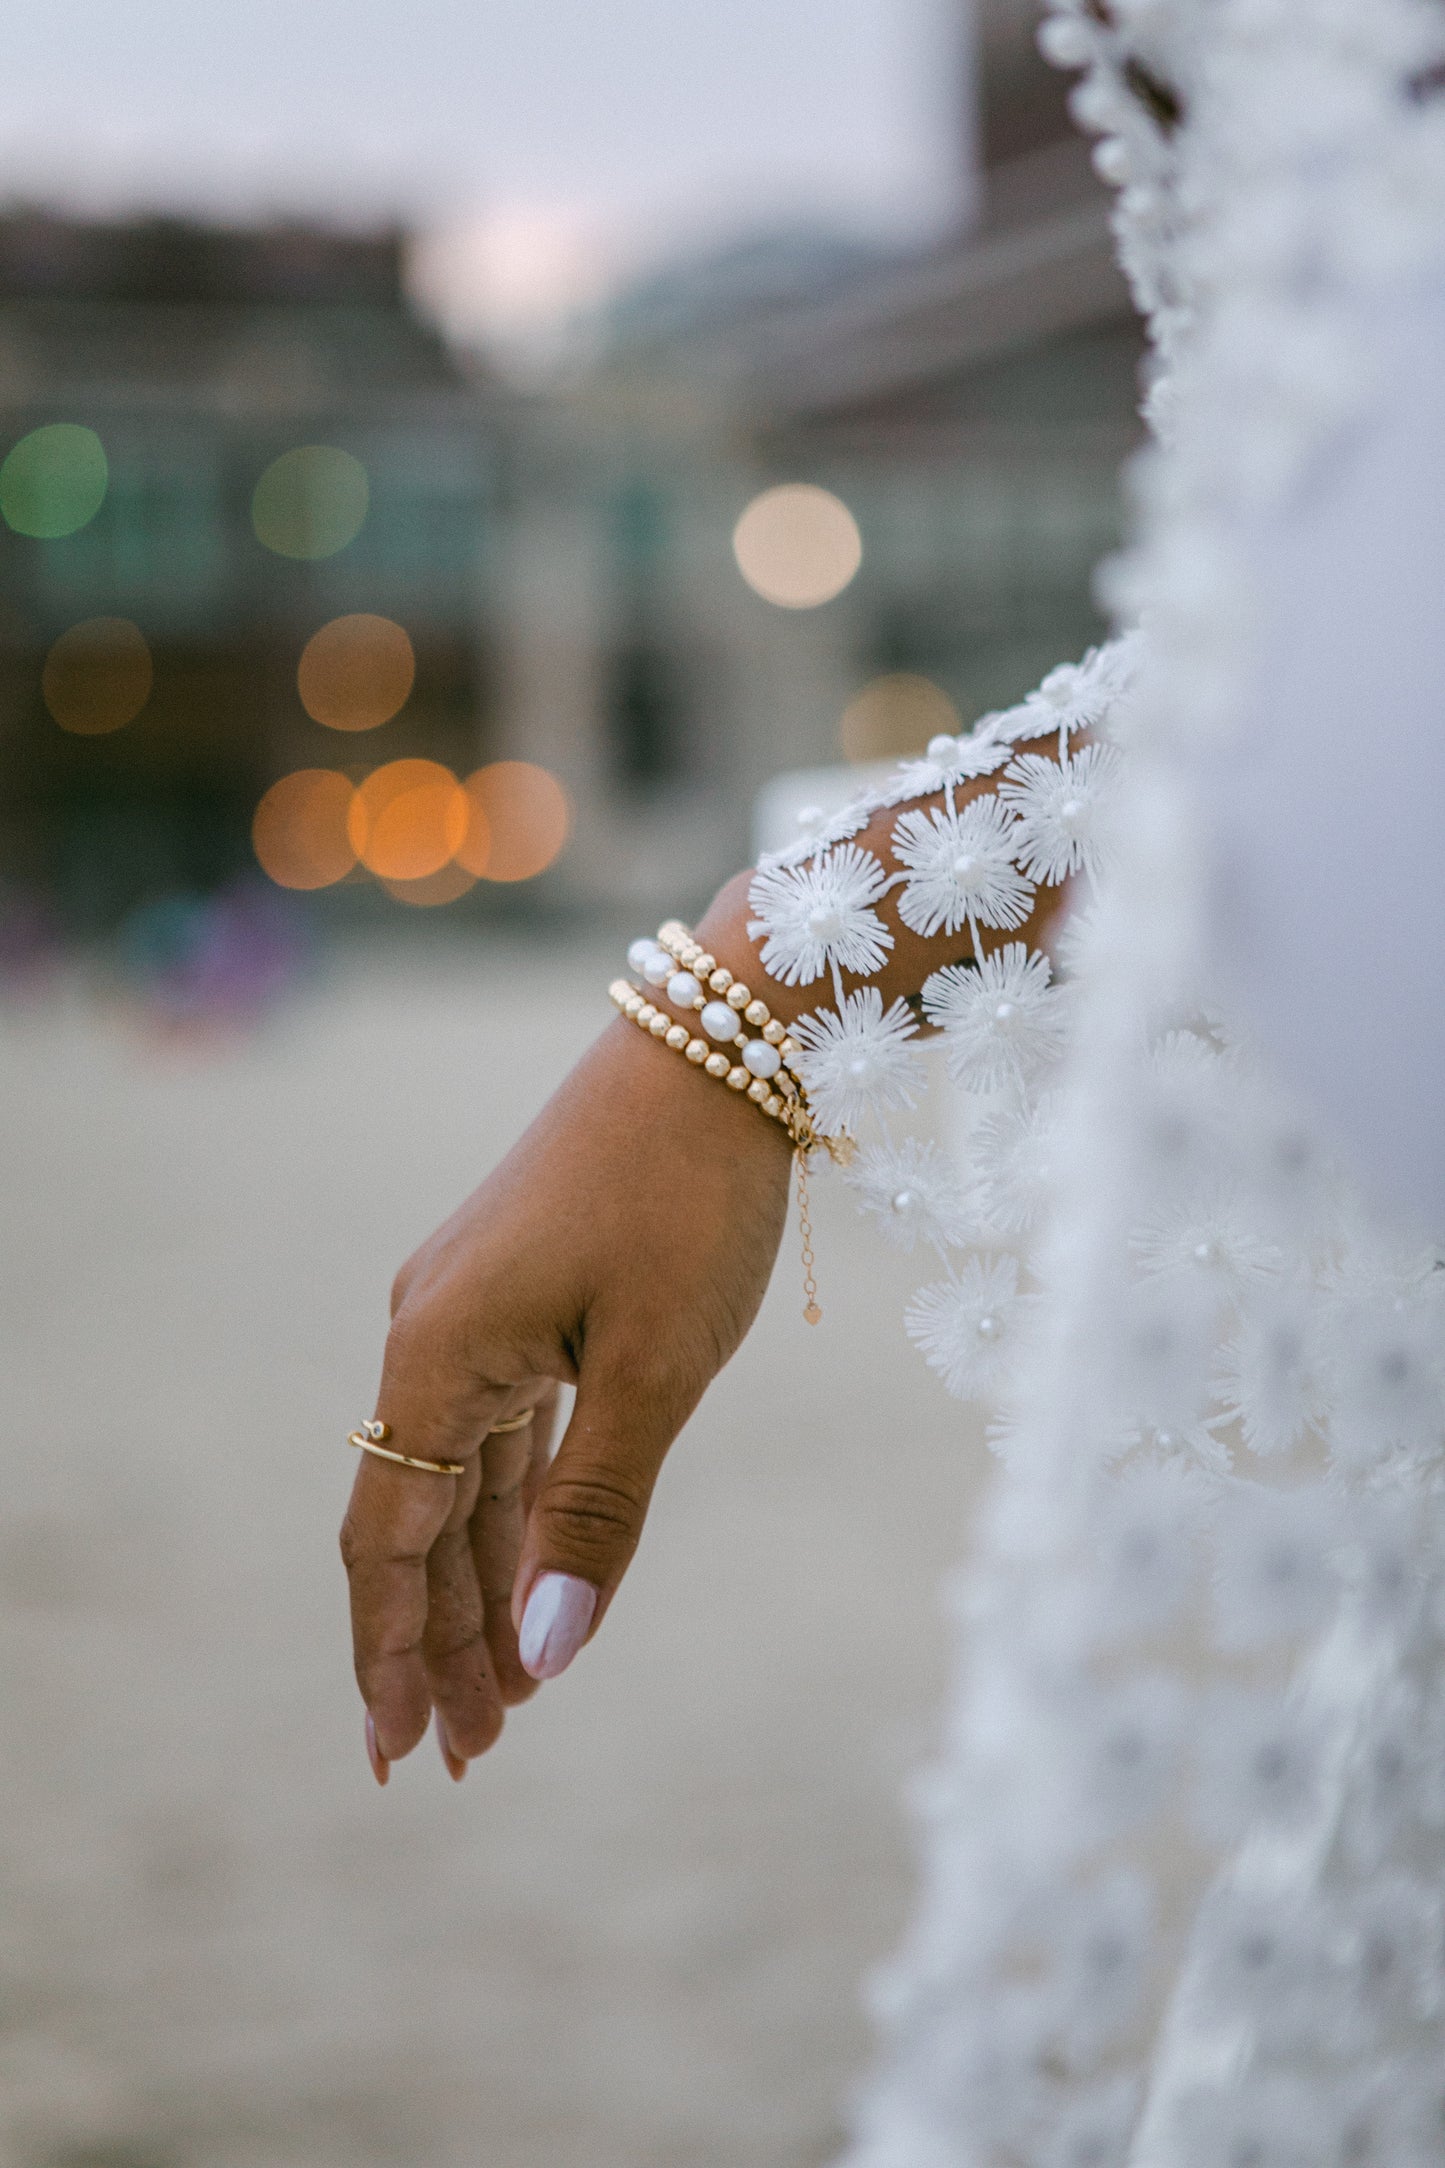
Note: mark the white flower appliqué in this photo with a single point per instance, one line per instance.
(967, 1326)
(913, 1191)
(811, 917)
(949, 760)
(857, 1061)
(960, 867)
(1001, 1019)
(1059, 806)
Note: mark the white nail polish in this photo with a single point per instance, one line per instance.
(555, 1622)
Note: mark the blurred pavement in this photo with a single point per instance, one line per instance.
(634, 1937)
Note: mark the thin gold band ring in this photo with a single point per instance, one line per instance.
(513, 1422)
(370, 1439)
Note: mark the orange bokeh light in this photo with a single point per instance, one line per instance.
(98, 676)
(443, 887)
(299, 832)
(408, 819)
(519, 821)
(356, 672)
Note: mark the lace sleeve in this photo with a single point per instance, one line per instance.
(965, 850)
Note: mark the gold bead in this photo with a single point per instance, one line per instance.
(756, 1014)
(646, 1013)
(718, 1065)
(774, 1033)
(634, 1005)
(720, 979)
(787, 1046)
(677, 1036)
(738, 1079)
(772, 1105)
(659, 1025)
(696, 1050)
(738, 995)
(758, 1091)
(702, 963)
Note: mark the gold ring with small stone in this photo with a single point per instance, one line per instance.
(371, 1438)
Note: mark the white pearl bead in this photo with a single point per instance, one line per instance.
(720, 1022)
(988, 1328)
(904, 1201)
(860, 1068)
(1003, 1010)
(658, 968)
(811, 819)
(943, 750)
(963, 866)
(760, 1059)
(683, 989)
(639, 953)
(1070, 811)
(823, 922)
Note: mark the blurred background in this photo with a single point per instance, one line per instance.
(455, 465)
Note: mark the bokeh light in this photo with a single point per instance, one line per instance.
(310, 502)
(408, 819)
(519, 821)
(797, 545)
(300, 829)
(356, 672)
(53, 481)
(896, 714)
(98, 676)
(434, 888)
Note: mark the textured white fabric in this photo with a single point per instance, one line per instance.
(1182, 1850)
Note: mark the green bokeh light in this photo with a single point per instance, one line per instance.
(53, 481)
(311, 502)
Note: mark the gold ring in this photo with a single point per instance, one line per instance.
(369, 1440)
(513, 1422)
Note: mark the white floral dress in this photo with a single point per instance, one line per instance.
(1184, 1839)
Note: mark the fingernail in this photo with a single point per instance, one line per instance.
(456, 1767)
(555, 1622)
(380, 1766)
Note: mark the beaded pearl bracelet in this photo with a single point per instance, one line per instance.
(767, 1070)
(687, 973)
(789, 1108)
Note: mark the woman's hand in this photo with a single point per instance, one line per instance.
(622, 1246)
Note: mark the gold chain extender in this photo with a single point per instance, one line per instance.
(811, 1312)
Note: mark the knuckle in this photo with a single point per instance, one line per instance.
(593, 1518)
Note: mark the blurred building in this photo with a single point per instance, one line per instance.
(283, 446)
(198, 358)
(970, 404)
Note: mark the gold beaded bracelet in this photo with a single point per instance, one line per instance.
(768, 1070)
(787, 1106)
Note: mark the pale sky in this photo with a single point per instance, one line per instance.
(641, 116)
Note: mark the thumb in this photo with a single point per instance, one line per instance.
(587, 1518)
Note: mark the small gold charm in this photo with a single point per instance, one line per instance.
(813, 1315)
